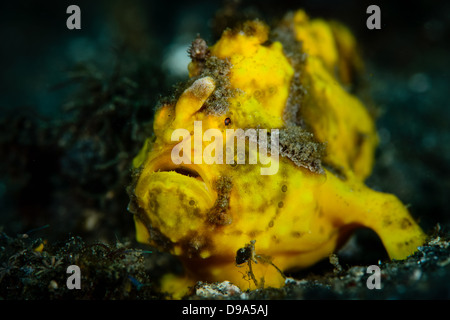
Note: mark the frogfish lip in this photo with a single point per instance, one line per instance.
(164, 163)
(175, 198)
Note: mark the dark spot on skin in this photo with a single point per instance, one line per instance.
(275, 239)
(246, 186)
(405, 223)
(197, 213)
(280, 205)
(387, 222)
(284, 188)
(192, 202)
(296, 234)
(258, 94)
(254, 233)
(320, 213)
(272, 90)
(227, 121)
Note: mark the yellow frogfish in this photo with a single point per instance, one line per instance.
(258, 165)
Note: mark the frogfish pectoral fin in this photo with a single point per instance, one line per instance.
(351, 202)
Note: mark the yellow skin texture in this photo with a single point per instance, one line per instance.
(297, 217)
